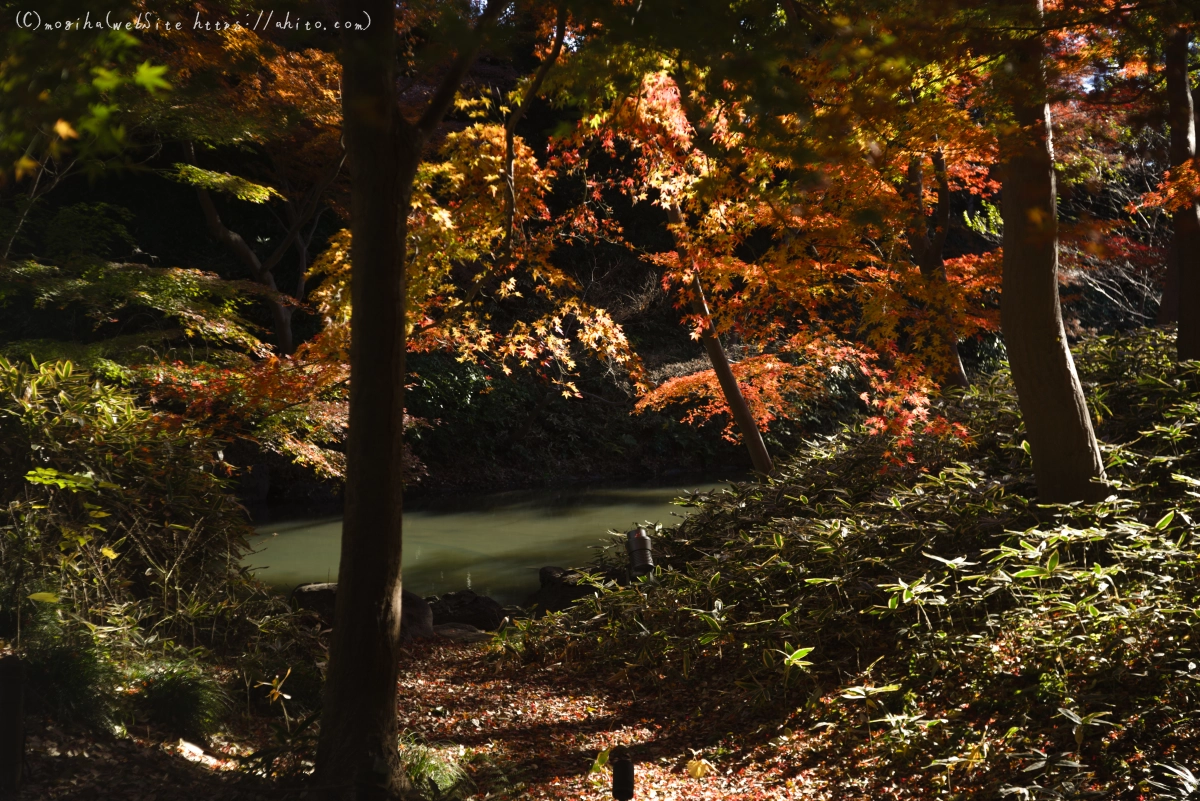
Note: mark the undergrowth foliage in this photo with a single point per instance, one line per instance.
(107, 505)
(933, 614)
(120, 563)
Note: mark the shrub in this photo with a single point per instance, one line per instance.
(435, 772)
(937, 602)
(110, 504)
(70, 677)
(181, 697)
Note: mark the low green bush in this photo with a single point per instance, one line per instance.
(71, 678)
(933, 614)
(115, 526)
(179, 696)
(110, 504)
(435, 771)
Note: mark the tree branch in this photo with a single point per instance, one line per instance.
(308, 208)
(230, 239)
(444, 96)
(560, 32)
(510, 126)
(262, 270)
(942, 211)
(918, 230)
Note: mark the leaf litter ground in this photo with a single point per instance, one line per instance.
(528, 732)
(535, 731)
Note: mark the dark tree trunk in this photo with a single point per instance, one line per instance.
(1183, 268)
(281, 315)
(357, 755)
(12, 723)
(1168, 307)
(928, 251)
(1066, 459)
(738, 407)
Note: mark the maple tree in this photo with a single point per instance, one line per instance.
(697, 147)
(63, 107)
(469, 252)
(239, 91)
(852, 164)
(734, 398)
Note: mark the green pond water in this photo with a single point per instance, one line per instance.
(491, 544)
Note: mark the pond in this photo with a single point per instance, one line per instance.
(492, 544)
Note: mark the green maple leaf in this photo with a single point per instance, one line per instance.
(150, 77)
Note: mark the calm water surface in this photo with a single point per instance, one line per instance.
(492, 544)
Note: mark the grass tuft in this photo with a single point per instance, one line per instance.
(180, 697)
(70, 677)
(435, 771)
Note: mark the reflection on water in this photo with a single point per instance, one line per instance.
(493, 544)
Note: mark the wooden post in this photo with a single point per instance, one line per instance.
(12, 723)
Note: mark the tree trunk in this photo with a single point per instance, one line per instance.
(263, 271)
(357, 755)
(1184, 253)
(1168, 307)
(281, 315)
(1066, 459)
(928, 251)
(720, 363)
(12, 723)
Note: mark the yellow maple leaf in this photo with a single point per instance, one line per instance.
(64, 130)
(24, 166)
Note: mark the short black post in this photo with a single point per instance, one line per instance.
(622, 770)
(12, 723)
(637, 545)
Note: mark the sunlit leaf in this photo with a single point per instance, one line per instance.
(64, 130)
(149, 77)
(234, 185)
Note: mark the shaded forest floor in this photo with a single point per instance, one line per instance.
(77, 764)
(535, 731)
(963, 640)
(529, 732)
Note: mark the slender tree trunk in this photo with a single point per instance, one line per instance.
(738, 407)
(357, 755)
(1168, 307)
(1184, 253)
(263, 271)
(36, 193)
(281, 315)
(1066, 459)
(928, 251)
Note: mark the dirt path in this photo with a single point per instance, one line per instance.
(534, 732)
(531, 732)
